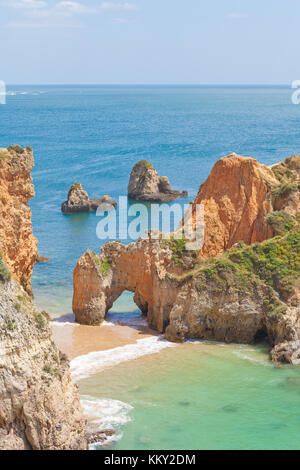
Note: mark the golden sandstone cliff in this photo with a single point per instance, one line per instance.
(242, 286)
(236, 198)
(18, 244)
(39, 403)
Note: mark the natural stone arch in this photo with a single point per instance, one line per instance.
(99, 280)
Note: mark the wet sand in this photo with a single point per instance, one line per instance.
(76, 340)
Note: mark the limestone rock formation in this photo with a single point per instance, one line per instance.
(146, 185)
(236, 198)
(288, 352)
(78, 201)
(39, 404)
(249, 292)
(18, 244)
(220, 300)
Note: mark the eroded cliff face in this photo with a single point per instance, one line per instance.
(142, 268)
(39, 404)
(18, 244)
(236, 198)
(248, 292)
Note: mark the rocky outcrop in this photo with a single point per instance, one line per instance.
(18, 244)
(78, 201)
(236, 198)
(287, 352)
(146, 185)
(139, 268)
(39, 404)
(249, 292)
(238, 195)
(222, 300)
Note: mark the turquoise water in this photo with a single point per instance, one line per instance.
(197, 396)
(95, 135)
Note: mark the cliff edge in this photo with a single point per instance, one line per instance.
(39, 404)
(18, 244)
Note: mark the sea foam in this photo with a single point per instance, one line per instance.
(103, 415)
(92, 363)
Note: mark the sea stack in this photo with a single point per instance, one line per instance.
(146, 185)
(243, 286)
(79, 201)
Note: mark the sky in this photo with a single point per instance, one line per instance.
(149, 41)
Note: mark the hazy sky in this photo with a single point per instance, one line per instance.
(150, 41)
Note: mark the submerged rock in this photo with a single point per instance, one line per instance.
(101, 437)
(146, 185)
(78, 201)
(43, 259)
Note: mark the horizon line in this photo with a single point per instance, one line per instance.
(158, 84)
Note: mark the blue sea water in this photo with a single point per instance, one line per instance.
(95, 134)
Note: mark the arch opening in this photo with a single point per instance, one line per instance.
(128, 309)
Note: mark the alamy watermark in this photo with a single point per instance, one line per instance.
(296, 93)
(159, 221)
(2, 92)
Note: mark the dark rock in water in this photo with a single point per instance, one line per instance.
(78, 201)
(184, 403)
(146, 185)
(288, 352)
(101, 436)
(292, 383)
(230, 408)
(43, 259)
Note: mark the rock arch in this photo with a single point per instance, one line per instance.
(99, 280)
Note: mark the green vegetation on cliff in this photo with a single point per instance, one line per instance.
(16, 149)
(281, 221)
(103, 266)
(181, 257)
(142, 164)
(284, 170)
(274, 264)
(284, 189)
(5, 274)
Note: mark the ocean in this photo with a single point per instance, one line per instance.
(196, 395)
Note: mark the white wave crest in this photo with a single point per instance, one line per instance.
(64, 323)
(89, 364)
(104, 415)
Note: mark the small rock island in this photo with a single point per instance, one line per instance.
(79, 201)
(242, 286)
(146, 185)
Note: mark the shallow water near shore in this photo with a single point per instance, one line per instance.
(155, 396)
(201, 396)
